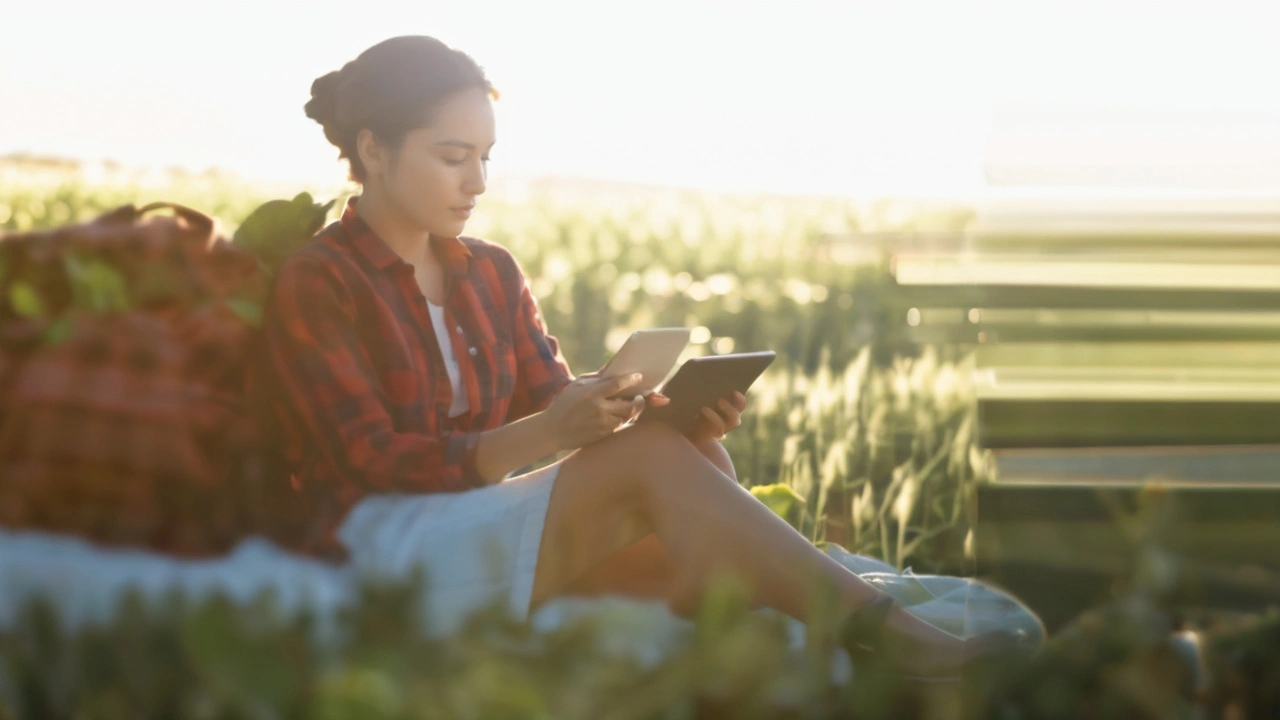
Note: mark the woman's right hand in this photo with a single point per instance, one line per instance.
(582, 412)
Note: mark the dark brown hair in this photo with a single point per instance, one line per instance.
(391, 89)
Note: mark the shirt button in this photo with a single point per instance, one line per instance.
(472, 351)
(459, 329)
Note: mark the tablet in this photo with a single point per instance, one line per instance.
(652, 353)
(701, 382)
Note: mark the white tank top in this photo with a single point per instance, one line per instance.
(459, 404)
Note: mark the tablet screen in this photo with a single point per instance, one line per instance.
(652, 353)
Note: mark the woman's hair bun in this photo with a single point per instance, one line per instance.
(323, 105)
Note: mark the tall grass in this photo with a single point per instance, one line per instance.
(883, 458)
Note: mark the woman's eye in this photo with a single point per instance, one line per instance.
(459, 162)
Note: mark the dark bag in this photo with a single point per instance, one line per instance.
(124, 343)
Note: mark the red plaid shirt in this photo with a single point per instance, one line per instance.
(355, 380)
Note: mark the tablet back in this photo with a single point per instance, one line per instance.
(701, 382)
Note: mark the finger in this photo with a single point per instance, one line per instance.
(620, 409)
(732, 418)
(615, 384)
(637, 406)
(624, 409)
(714, 422)
(739, 401)
(656, 399)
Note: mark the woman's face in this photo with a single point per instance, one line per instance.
(439, 171)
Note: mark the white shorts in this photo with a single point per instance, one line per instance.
(476, 548)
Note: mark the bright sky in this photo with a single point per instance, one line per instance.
(932, 98)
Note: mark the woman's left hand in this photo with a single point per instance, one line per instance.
(653, 399)
(715, 423)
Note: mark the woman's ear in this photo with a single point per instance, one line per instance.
(373, 156)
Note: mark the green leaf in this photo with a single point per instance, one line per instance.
(782, 500)
(25, 301)
(277, 227)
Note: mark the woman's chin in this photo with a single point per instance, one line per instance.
(452, 228)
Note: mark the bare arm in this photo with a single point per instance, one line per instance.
(514, 445)
(581, 413)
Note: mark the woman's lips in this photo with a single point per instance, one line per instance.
(463, 212)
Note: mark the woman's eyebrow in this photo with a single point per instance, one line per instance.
(461, 144)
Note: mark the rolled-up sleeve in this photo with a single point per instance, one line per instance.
(325, 373)
(541, 370)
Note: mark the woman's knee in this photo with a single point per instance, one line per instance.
(649, 456)
(654, 432)
(647, 440)
(652, 440)
(629, 459)
(714, 451)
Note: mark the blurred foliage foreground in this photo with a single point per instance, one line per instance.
(221, 659)
(855, 437)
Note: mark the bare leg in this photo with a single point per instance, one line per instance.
(648, 478)
(642, 569)
(715, 453)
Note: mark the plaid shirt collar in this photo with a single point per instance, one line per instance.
(451, 251)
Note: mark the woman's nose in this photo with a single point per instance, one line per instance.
(475, 183)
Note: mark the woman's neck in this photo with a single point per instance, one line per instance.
(410, 243)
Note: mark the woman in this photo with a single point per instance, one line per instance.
(410, 371)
